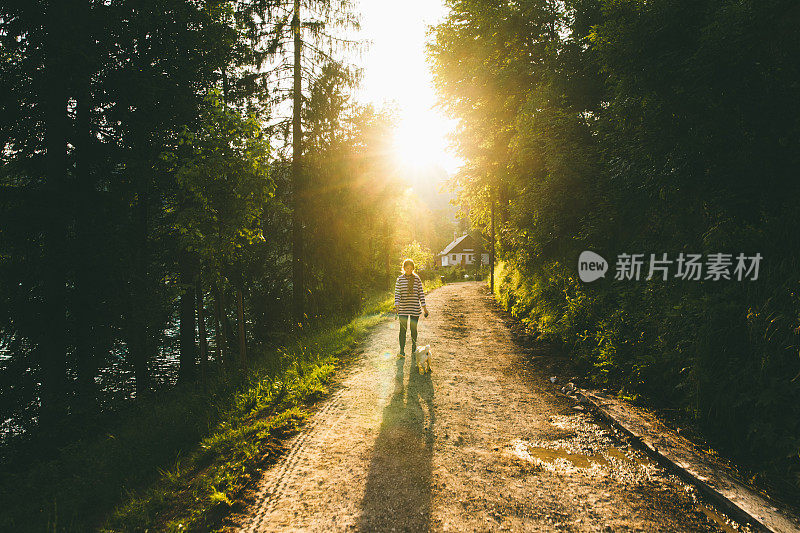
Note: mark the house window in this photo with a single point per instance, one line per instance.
(454, 257)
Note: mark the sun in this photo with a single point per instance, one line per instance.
(415, 143)
(420, 141)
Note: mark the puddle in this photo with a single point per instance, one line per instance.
(549, 456)
(554, 457)
(586, 431)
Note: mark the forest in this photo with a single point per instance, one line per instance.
(188, 189)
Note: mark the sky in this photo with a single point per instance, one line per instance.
(395, 69)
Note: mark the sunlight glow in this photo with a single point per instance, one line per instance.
(418, 141)
(395, 71)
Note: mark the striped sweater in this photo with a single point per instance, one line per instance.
(408, 304)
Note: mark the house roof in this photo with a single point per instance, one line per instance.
(453, 244)
(456, 242)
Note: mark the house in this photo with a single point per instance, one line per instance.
(463, 250)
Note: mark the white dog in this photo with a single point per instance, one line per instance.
(424, 358)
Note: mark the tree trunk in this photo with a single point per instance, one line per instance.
(491, 250)
(388, 254)
(53, 345)
(242, 339)
(501, 197)
(220, 336)
(298, 282)
(201, 329)
(85, 300)
(139, 346)
(224, 86)
(188, 356)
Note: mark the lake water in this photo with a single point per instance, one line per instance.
(115, 381)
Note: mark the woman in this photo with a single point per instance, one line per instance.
(408, 298)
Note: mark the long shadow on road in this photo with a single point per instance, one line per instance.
(398, 491)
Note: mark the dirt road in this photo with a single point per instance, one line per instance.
(484, 443)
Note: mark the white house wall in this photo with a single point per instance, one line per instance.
(455, 259)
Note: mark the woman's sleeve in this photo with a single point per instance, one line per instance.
(421, 293)
(397, 292)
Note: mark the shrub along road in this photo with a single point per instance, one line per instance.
(484, 443)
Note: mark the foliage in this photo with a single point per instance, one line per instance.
(419, 253)
(224, 170)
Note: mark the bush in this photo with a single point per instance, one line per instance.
(455, 273)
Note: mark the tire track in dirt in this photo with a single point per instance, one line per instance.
(484, 443)
(272, 486)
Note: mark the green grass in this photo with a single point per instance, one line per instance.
(180, 461)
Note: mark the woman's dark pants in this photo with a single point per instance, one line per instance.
(403, 325)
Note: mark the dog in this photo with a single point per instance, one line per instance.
(424, 358)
